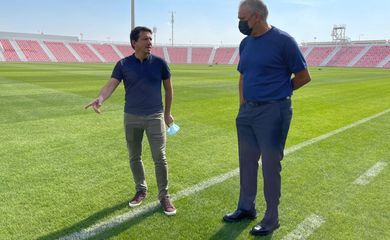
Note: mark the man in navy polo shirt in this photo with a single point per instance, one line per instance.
(143, 74)
(268, 59)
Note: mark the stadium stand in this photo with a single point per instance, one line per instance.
(85, 53)
(158, 51)
(126, 50)
(177, 55)
(1, 53)
(107, 52)
(33, 51)
(236, 60)
(200, 55)
(223, 55)
(318, 55)
(344, 56)
(235, 57)
(373, 56)
(60, 51)
(303, 50)
(8, 51)
(20, 47)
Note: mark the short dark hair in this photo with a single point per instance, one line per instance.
(256, 6)
(134, 35)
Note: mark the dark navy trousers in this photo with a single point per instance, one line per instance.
(262, 131)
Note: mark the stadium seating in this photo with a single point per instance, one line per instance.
(85, 52)
(373, 56)
(223, 55)
(107, 52)
(201, 55)
(158, 51)
(60, 51)
(345, 56)
(375, 53)
(177, 55)
(318, 55)
(33, 51)
(303, 50)
(236, 60)
(126, 50)
(8, 51)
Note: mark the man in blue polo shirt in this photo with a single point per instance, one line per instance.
(143, 74)
(268, 59)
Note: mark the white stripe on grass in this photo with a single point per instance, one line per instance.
(329, 134)
(305, 228)
(366, 177)
(116, 221)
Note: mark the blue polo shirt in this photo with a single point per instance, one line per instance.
(142, 82)
(267, 63)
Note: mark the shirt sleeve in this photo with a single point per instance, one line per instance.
(165, 71)
(293, 56)
(117, 72)
(241, 48)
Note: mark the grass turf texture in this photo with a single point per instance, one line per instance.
(64, 168)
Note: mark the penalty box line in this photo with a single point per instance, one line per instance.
(118, 220)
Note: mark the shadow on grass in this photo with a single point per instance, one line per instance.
(231, 230)
(125, 226)
(88, 222)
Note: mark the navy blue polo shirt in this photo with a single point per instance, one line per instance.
(142, 82)
(267, 63)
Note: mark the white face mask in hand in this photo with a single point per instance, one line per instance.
(172, 129)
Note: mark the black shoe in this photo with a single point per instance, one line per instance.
(238, 215)
(263, 230)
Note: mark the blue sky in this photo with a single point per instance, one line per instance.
(196, 21)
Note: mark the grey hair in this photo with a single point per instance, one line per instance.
(256, 6)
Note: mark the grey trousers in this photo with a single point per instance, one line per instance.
(154, 126)
(262, 132)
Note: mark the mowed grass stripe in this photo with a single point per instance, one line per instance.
(326, 174)
(65, 169)
(22, 101)
(104, 226)
(320, 180)
(329, 134)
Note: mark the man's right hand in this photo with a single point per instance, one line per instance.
(95, 104)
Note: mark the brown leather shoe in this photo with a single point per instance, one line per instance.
(167, 206)
(137, 199)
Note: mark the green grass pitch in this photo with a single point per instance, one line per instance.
(64, 169)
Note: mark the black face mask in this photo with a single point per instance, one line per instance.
(244, 27)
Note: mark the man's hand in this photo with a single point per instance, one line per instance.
(300, 79)
(168, 118)
(95, 104)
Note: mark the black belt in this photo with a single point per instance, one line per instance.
(260, 103)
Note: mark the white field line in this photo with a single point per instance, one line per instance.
(103, 226)
(305, 228)
(116, 221)
(329, 134)
(366, 177)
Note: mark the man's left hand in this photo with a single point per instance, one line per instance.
(168, 118)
